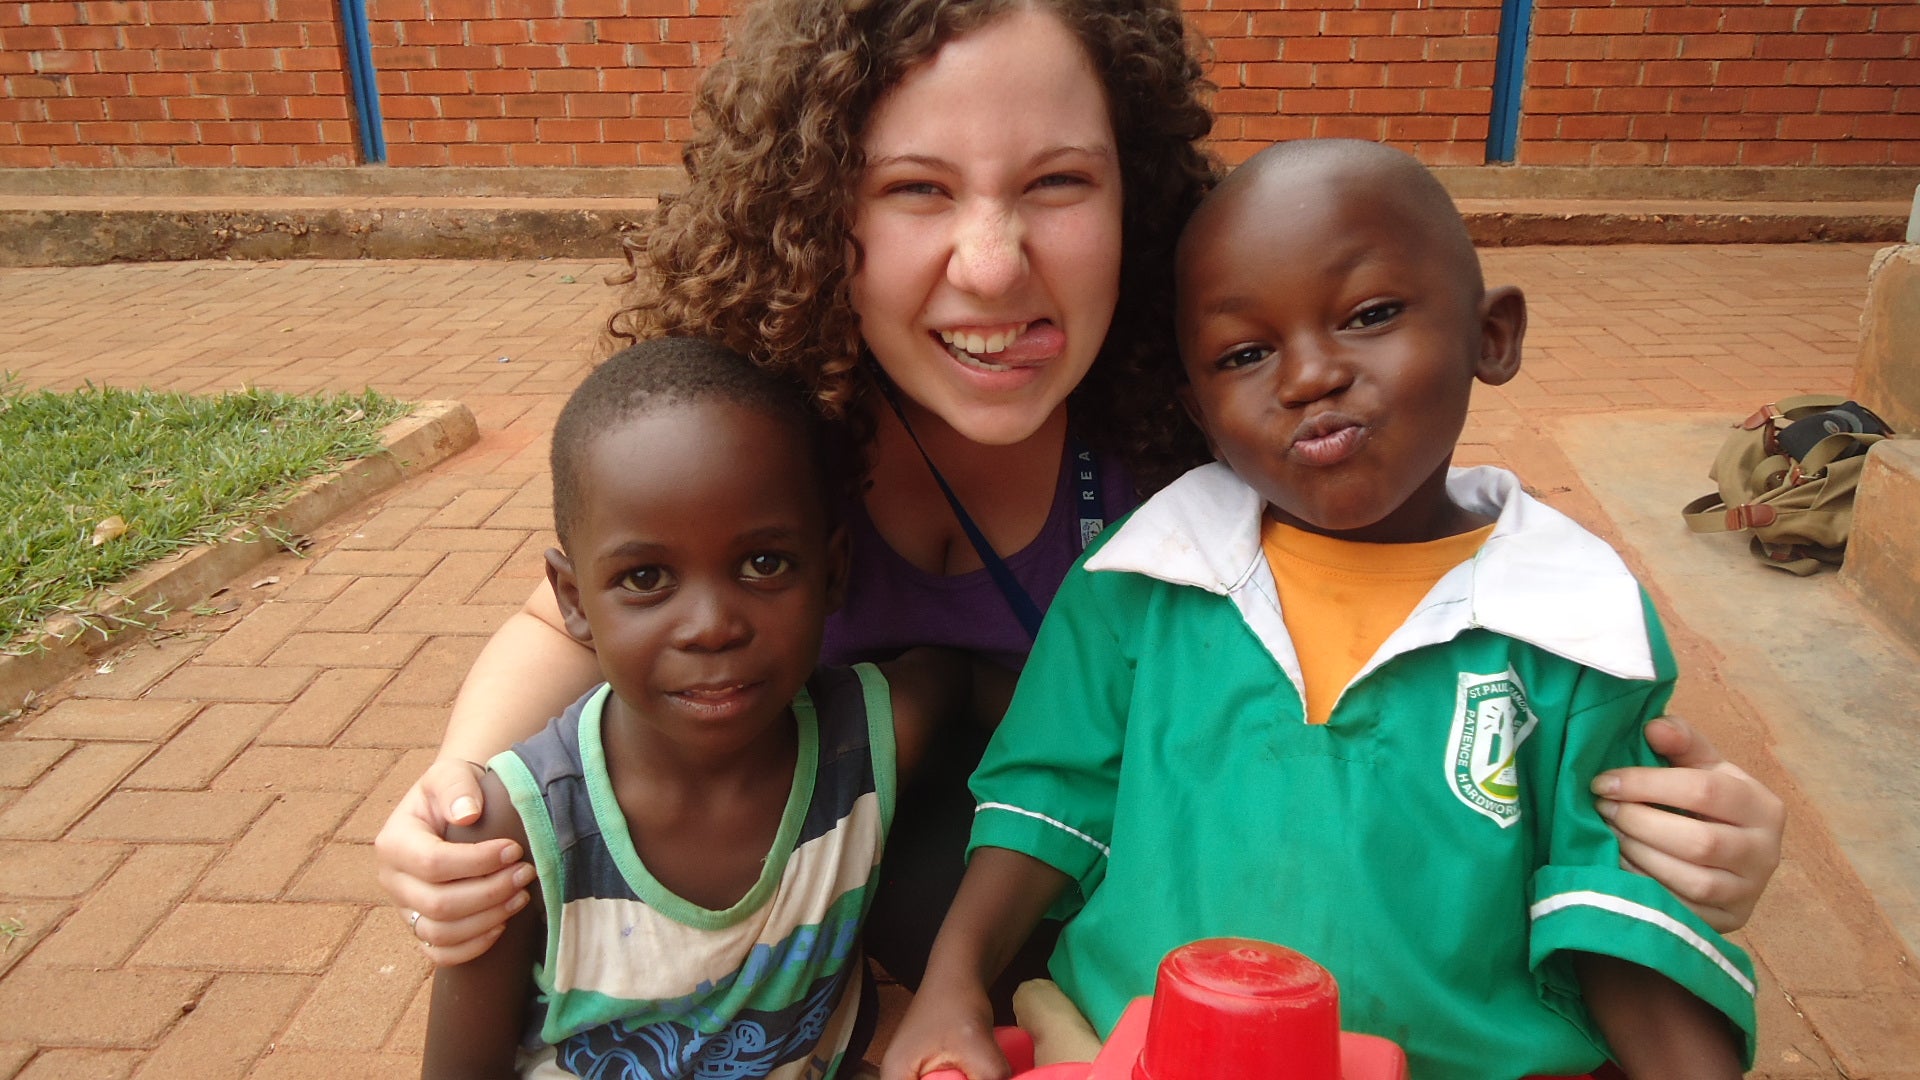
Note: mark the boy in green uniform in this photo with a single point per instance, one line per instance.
(1332, 693)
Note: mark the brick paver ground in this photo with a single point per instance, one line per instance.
(184, 832)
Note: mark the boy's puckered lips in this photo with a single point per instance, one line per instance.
(1327, 438)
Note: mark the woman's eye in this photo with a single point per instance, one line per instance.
(1060, 189)
(914, 187)
(1242, 356)
(760, 567)
(1376, 314)
(646, 579)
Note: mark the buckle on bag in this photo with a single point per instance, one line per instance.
(1750, 516)
(1765, 414)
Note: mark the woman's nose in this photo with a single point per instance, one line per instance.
(989, 251)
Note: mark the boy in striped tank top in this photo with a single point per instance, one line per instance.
(707, 824)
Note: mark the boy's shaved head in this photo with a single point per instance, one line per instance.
(660, 372)
(1332, 323)
(1356, 166)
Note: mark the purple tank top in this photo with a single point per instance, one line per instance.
(893, 605)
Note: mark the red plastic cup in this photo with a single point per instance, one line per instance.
(1233, 1008)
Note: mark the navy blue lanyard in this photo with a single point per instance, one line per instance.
(1089, 506)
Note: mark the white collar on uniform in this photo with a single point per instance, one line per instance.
(1539, 578)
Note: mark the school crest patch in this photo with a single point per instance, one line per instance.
(1490, 721)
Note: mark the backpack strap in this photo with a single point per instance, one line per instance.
(1708, 514)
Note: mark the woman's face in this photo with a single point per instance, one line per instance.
(989, 212)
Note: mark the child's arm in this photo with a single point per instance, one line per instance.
(931, 687)
(950, 1023)
(1655, 1028)
(480, 1007)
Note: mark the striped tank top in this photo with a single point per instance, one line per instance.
(638, 983)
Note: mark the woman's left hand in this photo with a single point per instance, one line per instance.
(1718, 851)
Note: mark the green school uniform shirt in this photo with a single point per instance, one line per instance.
(1434, 845)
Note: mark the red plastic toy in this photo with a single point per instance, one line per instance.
(1224, 1009)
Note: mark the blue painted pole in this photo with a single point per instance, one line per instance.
(357, 44)
(1509, 80)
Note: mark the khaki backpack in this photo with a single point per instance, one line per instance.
(1787, 476)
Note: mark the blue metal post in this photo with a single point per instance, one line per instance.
(1509, 79)
(357, 44)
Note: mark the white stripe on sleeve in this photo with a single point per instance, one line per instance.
(1061, 825)
(1653, 916)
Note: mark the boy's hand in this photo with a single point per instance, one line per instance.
(946, 1027)
(950, 1023)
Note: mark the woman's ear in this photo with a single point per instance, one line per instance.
(1503, 322)
(566, 590)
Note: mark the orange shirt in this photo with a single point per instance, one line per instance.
(1341, 599)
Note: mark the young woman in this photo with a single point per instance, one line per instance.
(955, 220)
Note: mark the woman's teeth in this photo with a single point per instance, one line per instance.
(971, 347)
(983, 343)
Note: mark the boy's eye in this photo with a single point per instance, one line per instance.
(764, 565)
(1242, 356)
(646, 579)
(1375, 314)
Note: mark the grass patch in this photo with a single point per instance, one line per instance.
(175, 471)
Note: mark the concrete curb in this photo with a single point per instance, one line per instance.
(433, 432)
(77, 236)
(1587, 223)
(380, 184)
(43, 231)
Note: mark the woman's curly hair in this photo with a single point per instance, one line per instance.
(758, 252)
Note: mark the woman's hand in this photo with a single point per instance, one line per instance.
(1723, 843)
(947, 1027)
(529, 671)
(463, 892)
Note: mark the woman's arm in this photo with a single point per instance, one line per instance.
(480, 1008)
(949, 1025)
(1705, 829)
(528, 673)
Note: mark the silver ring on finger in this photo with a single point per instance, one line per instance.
(413, 923)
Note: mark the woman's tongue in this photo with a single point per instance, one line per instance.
(1038, 342)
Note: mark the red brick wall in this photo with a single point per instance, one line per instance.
(1416, 73)
(540, 82)
(1646, 82)
(608, 82)
(172, 82)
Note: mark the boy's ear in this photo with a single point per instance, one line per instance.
(566, 589)
(1503, 322)
(1185, 393)
(839, 560)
